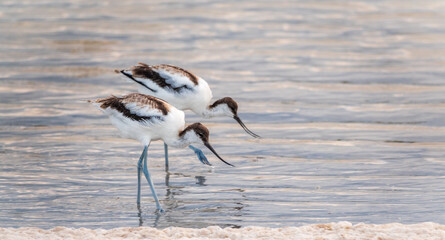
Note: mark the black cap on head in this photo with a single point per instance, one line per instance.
(231, 104)
(203, 133)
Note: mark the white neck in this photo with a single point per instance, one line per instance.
(220, 110)
(181, 142)
(209, 113)
(177, 142)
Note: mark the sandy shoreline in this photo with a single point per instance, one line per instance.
(339, 230)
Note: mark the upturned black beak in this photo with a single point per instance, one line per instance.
(214, 152)
(244, 127)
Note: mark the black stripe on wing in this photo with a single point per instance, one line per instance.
(117, 104)
(178, 70)
(146, 72)
(132, 78)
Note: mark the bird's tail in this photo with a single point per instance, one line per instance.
(94, 102)
(101, 103)
(125, 72)
(128, 72)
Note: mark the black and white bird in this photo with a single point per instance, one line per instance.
(146, 119)
(184, 90)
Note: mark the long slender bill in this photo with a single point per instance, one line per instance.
(214, 152)
(245, 128)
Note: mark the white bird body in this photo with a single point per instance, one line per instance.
(196, 101)
(182, 89)
(147, 118)
(175, 85)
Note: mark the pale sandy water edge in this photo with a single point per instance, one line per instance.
(338, 230)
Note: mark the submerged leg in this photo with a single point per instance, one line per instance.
(138, 201)
(147, 176)
(200, 155)
(166, 156)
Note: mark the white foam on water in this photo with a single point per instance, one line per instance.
(338, 230)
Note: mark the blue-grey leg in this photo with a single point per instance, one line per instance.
(147, 176)
(200, 155)
(138, 201)
(166, 156)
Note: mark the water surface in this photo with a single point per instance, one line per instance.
(347, 95)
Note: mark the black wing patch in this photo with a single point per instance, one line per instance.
(118, 105)
(145, 71)
(132, 78)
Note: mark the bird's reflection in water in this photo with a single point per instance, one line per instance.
(200, 180)
(173, 190)
(170, 218)
(141, 221)
(170, 202)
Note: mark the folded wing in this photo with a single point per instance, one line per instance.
(137, 107)
(167, 77)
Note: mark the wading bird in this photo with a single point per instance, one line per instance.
(146, 119)
(184, 90)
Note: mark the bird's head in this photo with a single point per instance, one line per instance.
(198, 133)
(228, 107)
(225, 107)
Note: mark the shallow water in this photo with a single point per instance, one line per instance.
(347, 95)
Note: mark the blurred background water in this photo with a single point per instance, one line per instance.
(349, 97)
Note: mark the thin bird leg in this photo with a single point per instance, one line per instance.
(166, 156)
(201, 155)
(138, 201)
(147, 176)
